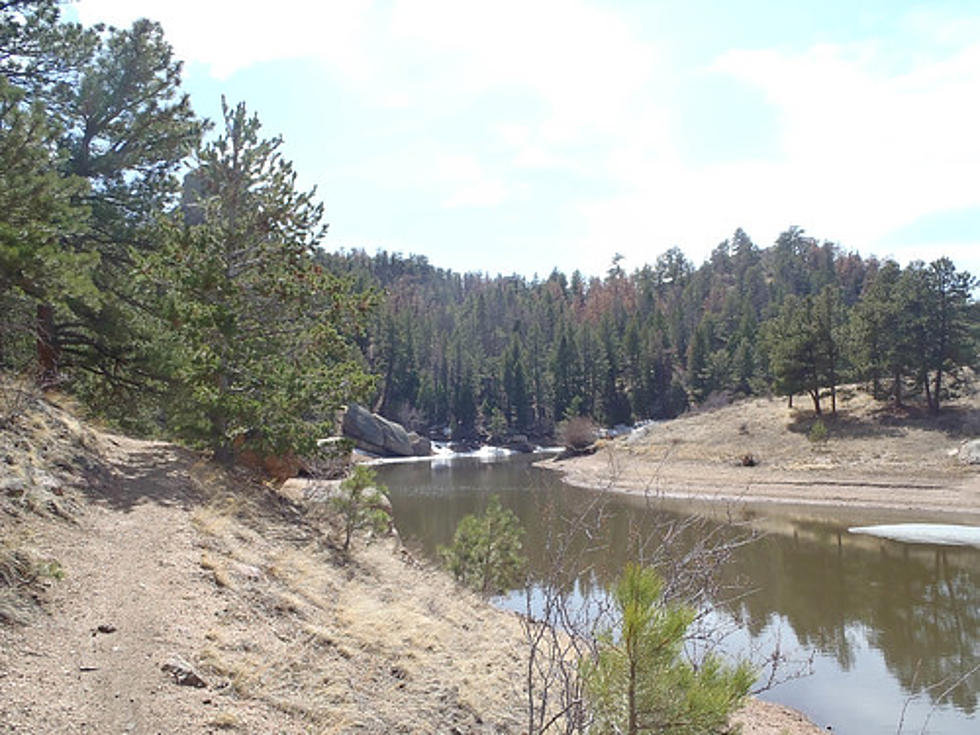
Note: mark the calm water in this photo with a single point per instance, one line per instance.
(890, 626)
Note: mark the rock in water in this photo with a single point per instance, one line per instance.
(421, 446)
(376, 434)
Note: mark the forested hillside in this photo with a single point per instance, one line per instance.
(505, 353)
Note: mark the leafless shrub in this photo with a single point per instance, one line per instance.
(939, 690)
(17, 394)
(331, 461)
(578, 433)
(562, 622)
(715, 400)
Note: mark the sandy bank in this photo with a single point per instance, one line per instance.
(875, 463)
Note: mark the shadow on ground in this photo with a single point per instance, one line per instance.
(954, 421)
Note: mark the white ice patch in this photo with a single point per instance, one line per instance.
(925, 533)
(442, 456)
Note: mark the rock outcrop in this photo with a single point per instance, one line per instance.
(314, 492)
(519, 443)
(970, 452)
(378, 435)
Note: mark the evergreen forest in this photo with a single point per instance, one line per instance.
(158, 266)
(799, 317)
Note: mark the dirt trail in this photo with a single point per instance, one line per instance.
(126, 604)
(168, 555)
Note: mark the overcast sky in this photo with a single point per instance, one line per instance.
(522, 136)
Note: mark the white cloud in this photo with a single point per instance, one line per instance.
(577, 71)
(872, 136)
(583, 61)
(864, 150)
(470, 184)
(228, 36)
(869, 151)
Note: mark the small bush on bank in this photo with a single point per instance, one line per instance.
(359, 504)
(818, 432)
(486, 554)
(577, 433)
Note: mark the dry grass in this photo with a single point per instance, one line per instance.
(24, 574)
(342, 645)
(226, 721)
(777, 436)
(48, 458)
(15, 571)
(17, 395)
(875, 460)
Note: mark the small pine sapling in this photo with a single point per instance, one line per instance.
(486, 553)
(640, 682)
(362, 504)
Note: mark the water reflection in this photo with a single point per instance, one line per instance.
(863, 604)
(919, 606)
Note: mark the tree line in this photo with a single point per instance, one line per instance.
(802, 316)
(157, 265)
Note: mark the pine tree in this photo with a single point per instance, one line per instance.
(876, 332)
(790, 351)
(641, 683)
(362, 503)
(39, 208)
(125, 130)
(698, 371)
(565, 376)
(486, 553)
(258, 334)
(949, 346)
(829, 337)
(520, 409)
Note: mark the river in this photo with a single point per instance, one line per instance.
(892, 629)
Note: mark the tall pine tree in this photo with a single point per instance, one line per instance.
(259, 335)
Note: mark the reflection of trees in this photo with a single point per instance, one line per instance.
(926, 617)
(918, 605)
(803, 582)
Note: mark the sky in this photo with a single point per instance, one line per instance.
(519, 136)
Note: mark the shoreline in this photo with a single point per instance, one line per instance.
(844, 492)
(875, 461)
(828, 495)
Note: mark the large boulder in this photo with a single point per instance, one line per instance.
(378, 435)
(519, 443)
(421, 446)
